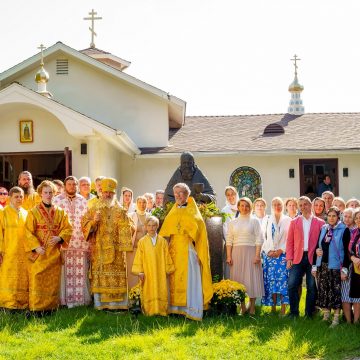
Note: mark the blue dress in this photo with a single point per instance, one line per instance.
(275, 277)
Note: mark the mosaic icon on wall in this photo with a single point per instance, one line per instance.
(247, 181)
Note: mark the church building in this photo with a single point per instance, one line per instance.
(65, 111)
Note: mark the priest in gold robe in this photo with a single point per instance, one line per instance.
(152, 264)
(191, 284)
(109, 229)
(31, 197)
(92, 202)
(14, 283)
(47, 229)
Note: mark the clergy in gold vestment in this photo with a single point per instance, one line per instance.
(95, 200)
(109, 229)
(14, 283)
(190, 285)
(31, 198)
(152, 263)
(47, 229)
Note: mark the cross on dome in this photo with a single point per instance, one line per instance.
(295, 59)
(42, 48)
(92, 30)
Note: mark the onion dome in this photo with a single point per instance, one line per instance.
(42, 76)
(295, 86)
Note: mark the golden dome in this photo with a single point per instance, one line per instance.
(42, 76)
(295, 86)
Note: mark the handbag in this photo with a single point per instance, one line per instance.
(356, 269)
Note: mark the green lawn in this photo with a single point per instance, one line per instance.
(84, 333)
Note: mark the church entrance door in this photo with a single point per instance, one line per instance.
(42, 165)
(313, 171)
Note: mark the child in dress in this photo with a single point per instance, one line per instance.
(152, 263)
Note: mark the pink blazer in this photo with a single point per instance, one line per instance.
(295, 239)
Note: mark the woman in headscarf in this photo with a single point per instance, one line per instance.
(328, 265)
(230, 208)
(139, 217)
(318, 208)
(126, 199)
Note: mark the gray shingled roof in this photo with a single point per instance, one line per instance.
(245, 133)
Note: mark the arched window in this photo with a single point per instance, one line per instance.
(247, 181)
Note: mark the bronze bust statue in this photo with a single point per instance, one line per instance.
(190, 174)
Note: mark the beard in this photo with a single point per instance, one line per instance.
(28, 190)
(187, 173)
(108, 202)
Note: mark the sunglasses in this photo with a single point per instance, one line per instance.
(3, 193)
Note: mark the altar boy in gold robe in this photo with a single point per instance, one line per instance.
(47, 229)
(152, 263)
(14, 283)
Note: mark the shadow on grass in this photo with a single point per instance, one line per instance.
(91, 327)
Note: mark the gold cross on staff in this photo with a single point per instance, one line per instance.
(92, 18)
(42, 48)
(295, 59)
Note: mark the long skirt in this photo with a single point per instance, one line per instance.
(194, 296)
(329, 287)
(275, 280)
(354, 285)
(75, 286)
(244, 271)
(345, 290)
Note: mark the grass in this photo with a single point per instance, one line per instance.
(84, 333)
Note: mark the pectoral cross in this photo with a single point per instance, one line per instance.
(178, 226)
(92, 30)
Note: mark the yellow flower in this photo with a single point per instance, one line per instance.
(135, 292)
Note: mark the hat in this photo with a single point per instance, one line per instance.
(108, 184)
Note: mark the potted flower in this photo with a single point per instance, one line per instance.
(227, 296)
(135, 299)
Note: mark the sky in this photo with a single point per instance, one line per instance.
(228, 57)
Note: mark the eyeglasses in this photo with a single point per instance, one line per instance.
(3, 193)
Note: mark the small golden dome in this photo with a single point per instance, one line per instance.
(42, 76)
(295, 86)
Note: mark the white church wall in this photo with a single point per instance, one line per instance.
(274, 174)
(145, 174)
(108, 160)
(143, 116)
(49, 133)
(149, 174)
(349, 186)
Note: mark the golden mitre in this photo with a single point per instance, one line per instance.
(108, 184)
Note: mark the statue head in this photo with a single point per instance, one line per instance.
(187, 165)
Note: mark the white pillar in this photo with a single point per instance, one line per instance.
(93, 156)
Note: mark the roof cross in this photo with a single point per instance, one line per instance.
(93, 33)
(42, 48)
(295, 59)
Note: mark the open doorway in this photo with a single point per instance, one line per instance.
(42, 165)
(312, 173)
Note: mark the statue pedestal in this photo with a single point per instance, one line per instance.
(214, 229)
